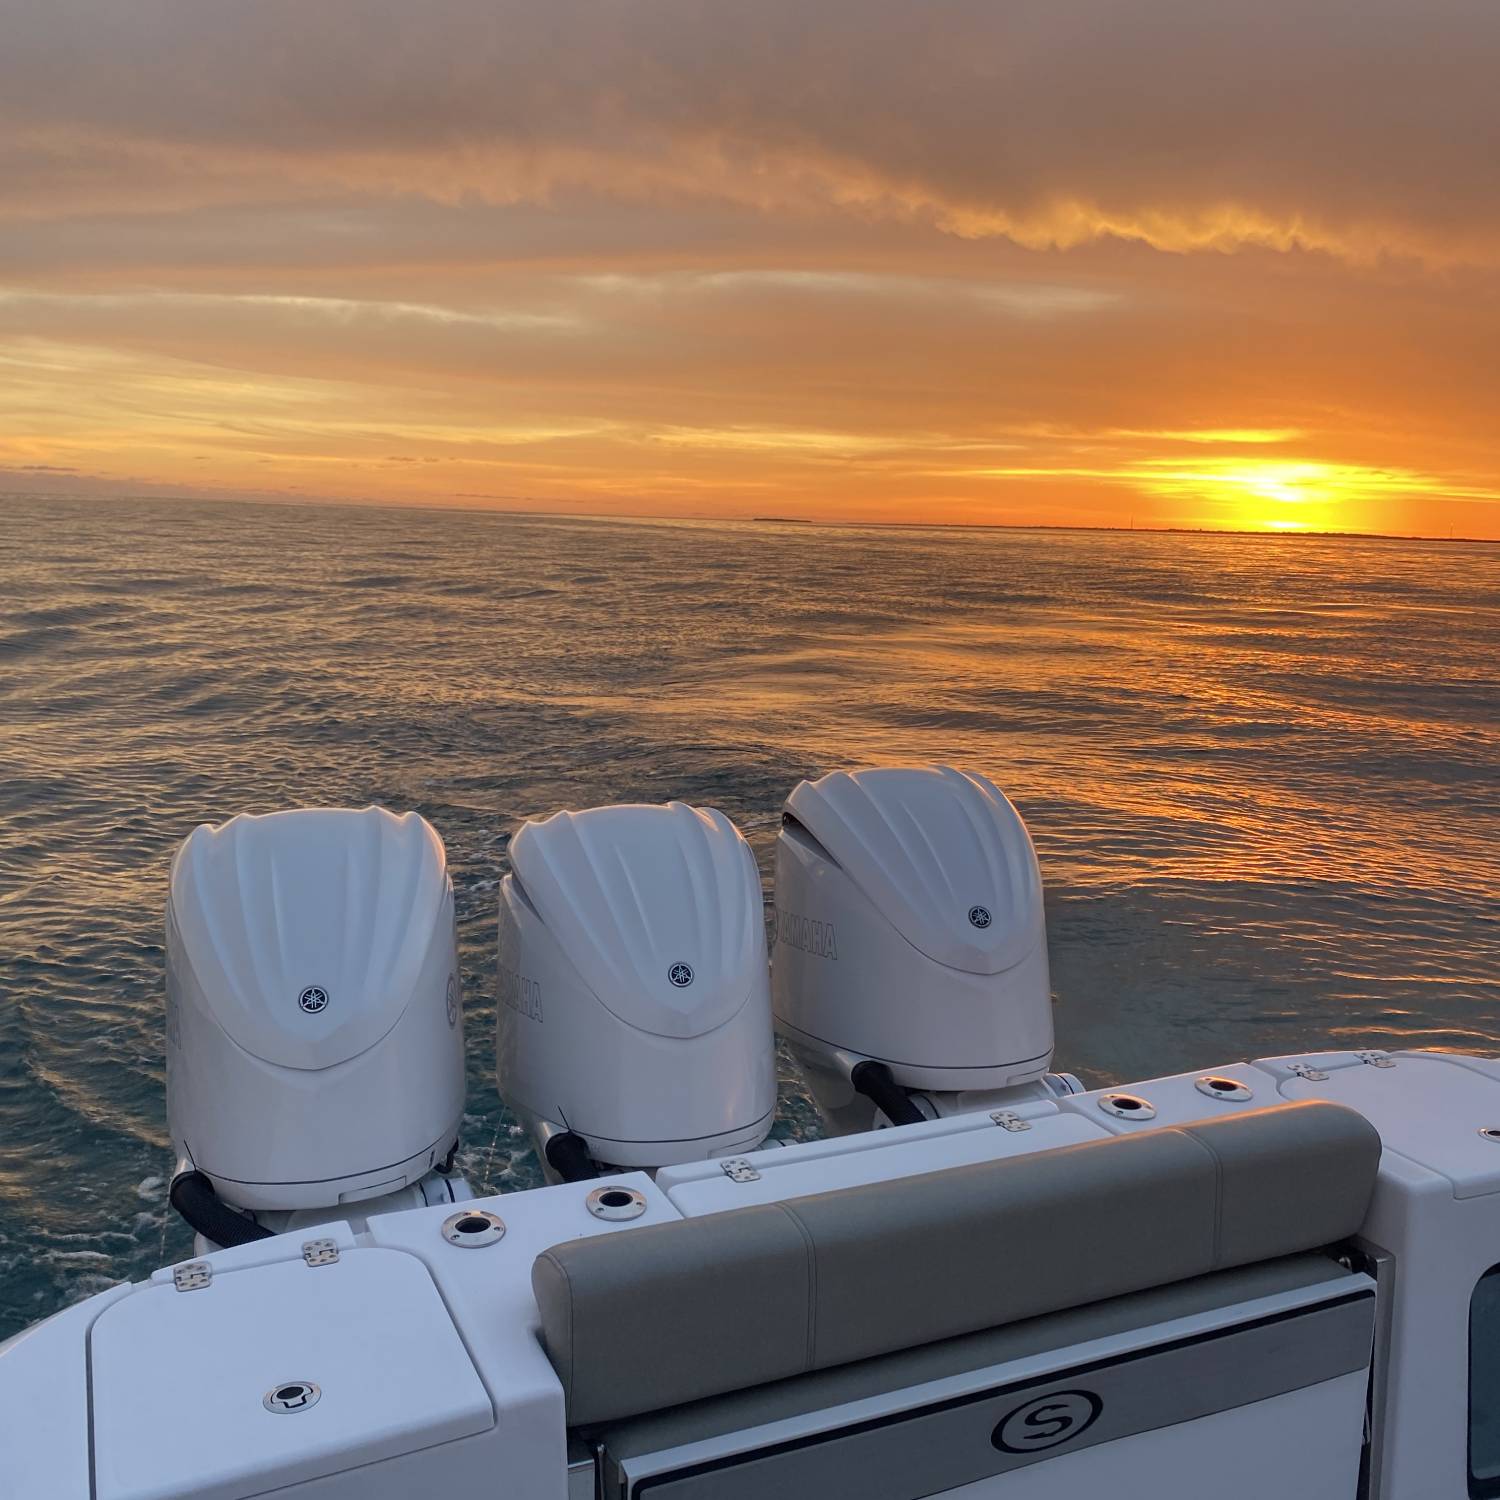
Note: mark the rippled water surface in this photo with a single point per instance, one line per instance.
(1261, 772)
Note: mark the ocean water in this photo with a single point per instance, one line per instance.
(1263, 774)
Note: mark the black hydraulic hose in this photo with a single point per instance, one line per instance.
(193, 1196)
(874, 1081)
(568, 1155)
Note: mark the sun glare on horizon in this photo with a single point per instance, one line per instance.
(1289, 495)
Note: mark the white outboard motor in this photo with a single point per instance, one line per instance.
(315, 1052)
(634, 1024)
(911, 950)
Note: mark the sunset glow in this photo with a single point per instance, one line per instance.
(861, 263)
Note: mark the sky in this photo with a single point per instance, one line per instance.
(1076, 262)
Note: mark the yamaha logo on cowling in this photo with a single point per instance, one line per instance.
(681, 975)
(313, 999)
(1047, 1422)
(520, 994)
(980, 916)
(806, 934)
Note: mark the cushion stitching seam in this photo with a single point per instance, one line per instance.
(1218, 1161)
(810, 1249)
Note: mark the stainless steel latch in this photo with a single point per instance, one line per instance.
(1307, 1071)
(192, 1275)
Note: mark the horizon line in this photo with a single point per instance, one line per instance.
(327, 501)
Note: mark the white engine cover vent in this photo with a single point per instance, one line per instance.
(941, 854)
(634, 995)
(909, 931)
(314, 1027)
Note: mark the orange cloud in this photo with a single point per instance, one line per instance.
(951, 261)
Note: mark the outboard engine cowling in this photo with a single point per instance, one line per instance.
(635, 1006)
(909, 933)
(315, 1051)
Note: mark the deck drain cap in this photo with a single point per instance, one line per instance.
(1127, 1106)
(292, 1395)
(1224, 1088)
(473, 1228)
(616, 1203)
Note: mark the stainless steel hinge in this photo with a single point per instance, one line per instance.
(320, 1252)
(1377, 1059)
(737, 1169)
(1008, 1119)
(192, 1275)
(1307, 1071)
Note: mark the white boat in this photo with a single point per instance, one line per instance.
(1277, 1280)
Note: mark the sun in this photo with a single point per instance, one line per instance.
(1275, 496)
(1248, 492)
(1240, 494)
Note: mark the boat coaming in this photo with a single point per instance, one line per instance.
(414, 1354)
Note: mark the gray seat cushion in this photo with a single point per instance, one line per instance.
(671, 1313)
(820, 1390)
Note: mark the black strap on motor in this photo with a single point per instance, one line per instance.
(568, 1155)
(193, 1196)
(874, 1081)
